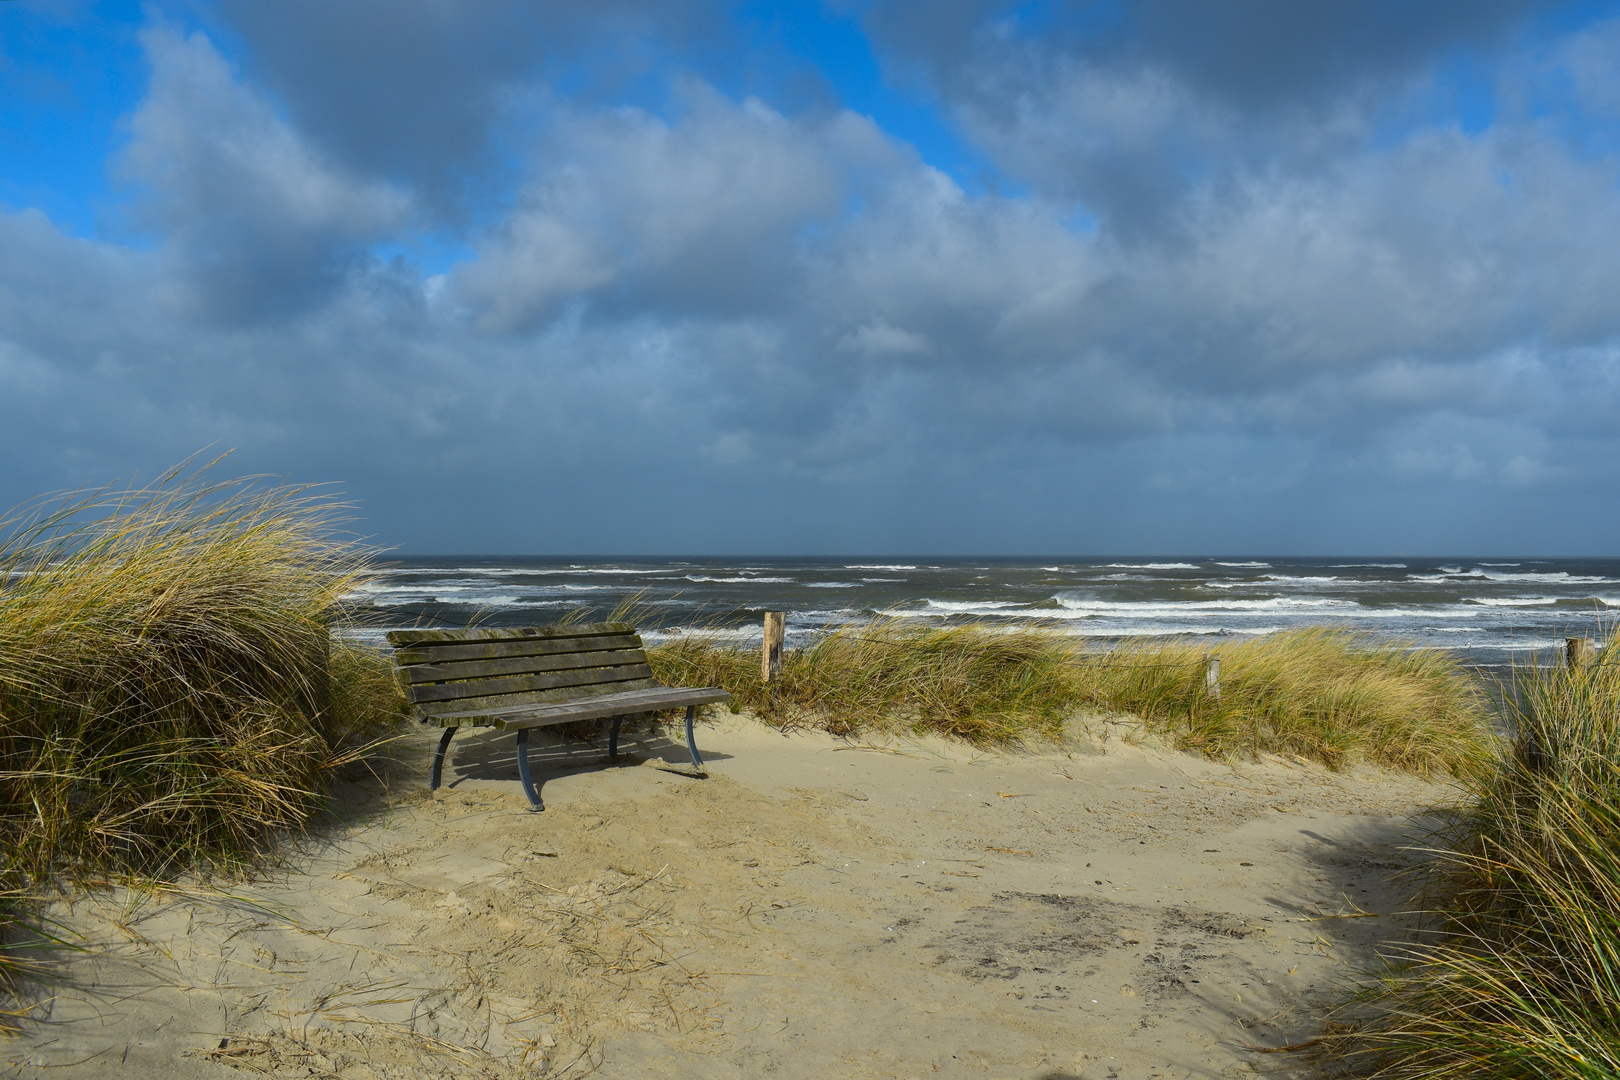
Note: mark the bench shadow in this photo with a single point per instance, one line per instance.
(489, 754)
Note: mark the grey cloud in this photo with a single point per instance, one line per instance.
(1279, 54)
(1130, 109)
(730, 325)
(1255, 54)
(258, 221)
(420, 91)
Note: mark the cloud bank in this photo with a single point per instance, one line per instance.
(1294, 279)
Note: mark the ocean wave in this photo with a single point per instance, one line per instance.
(831, 585)
(881, 566)
(1517, 601)
(1143, 607)
(1079, 628)
(444, 596)
(1150, 566)
(749, 580)
(958, 607)
(1368, 566)
(1273, 581)
(1551, 577)
(1246, 565)
(728, 634)
(379, 589)
(1557, 577)
(533, 571)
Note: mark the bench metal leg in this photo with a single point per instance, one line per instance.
(438, 758)
(613, 739)
(691, 743)
(535, 805)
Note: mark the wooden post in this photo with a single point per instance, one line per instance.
(770, 661)
(1212, 678)
(1577, 652)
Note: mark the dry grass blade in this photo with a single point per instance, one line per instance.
(1328, 695)
(170, 689)
(1520, 976)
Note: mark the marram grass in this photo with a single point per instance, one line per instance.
(969, 682)
(1329, 695)
(1518, 975)
(1334, 696)
(170, 692)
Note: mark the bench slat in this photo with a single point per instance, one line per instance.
(628, 703)
(443, 654)
(475, 634)
(518, 683)
(473, 669)
(613, 705)
(433, 712)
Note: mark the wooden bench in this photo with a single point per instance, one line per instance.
(521, 677)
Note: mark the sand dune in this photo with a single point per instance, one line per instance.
(815, 908)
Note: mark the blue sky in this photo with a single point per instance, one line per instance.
(949, 277)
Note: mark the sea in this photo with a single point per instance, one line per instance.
(1492, 612)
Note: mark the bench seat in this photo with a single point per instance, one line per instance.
(524, 677)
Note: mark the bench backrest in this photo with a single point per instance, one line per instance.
(461, 671)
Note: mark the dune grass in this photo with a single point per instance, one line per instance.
(1519, 973)
(1330, 695)
(964, 681)
(170, 692)
(1327, 695)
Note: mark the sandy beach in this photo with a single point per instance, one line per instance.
(816, 907)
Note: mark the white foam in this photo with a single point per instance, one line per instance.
(1151, 566)
(1246, 565)
(880, 566)
(958, 607)
(730, 580)
(1368, 566)
(831, 585)
(462, 590)
(531, 571)
(1180, 607)
(1554, 577)
(1558, 577)
(1510, 602)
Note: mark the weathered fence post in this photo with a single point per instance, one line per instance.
(770, 661)
(1577, 652)
(1212, 678)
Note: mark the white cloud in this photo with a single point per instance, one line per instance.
(709, 212)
